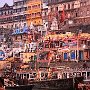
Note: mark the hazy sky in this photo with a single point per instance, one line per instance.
(2, 2)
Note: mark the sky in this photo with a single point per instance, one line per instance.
(2, 2)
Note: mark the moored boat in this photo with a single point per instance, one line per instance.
(20, 87)
(53, 84)
(58, 84)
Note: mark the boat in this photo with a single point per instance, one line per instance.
(58, 84)
(15, 87)
(19, 87)
(52, 84)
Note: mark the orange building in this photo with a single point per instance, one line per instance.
(34, 14)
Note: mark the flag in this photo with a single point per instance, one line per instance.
(62, 16)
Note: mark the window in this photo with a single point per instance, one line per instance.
(27, 75)
(64, 6)
(68, 6)
(51, 9)
(81, 4)
(45, 13)
(31, 57)
(21, 37)
(56, 8)
(0, 13)
(15, 11)
(76, 14)
(25, 56)
(73, 5)
(65, 23)
(10, 12)
(88, 43)
(7, 26)
(81, 12)
(33, 14)
(56, 43)
(29, 7)
(19, 10)
(5, 13)
(16, 38)
(38, 5)
(15, 25)
(88, 12)
(84, 3)
(11, 26)
(24, 24)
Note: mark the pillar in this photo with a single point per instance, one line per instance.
(29, 76)
(86, 74)
(59, 75)
(67, 75)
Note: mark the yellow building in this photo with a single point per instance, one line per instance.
(27, 57)
(34, 14)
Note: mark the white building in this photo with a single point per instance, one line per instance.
(32, 46)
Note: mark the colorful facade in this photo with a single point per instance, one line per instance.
(19, 16)
(34, 12)
(27, 57)
(20, 37)
(6, 16)
(67, 47)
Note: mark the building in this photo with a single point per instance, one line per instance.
(70, 14)
(45, 15)
(63, 11)
(20, 37)
(19, 15)
(65, 47)
(6, 17)
(34, 12)
(82, 18)
(27, 57)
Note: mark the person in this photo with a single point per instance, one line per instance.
(2, 84)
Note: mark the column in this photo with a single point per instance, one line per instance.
(81, 73)
(86, 74)
(22, 76)
(67, 75)
(75, 55)
(59, 75)
(29, 76)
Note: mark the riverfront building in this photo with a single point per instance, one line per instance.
(71, 14)
(19, 15)
(6, 16)
(34, 12)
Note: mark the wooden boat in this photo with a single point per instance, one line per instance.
(1, 83)
(53, 84)
(19, 87)
(58, 84)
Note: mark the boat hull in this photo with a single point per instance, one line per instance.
(21, 87)
(55, 84)
(58, 84)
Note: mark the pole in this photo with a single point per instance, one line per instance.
(73, 83)
(77, 48)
